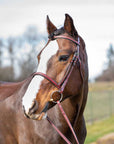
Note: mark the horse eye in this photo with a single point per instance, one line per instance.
(63, 57)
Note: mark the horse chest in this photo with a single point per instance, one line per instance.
(38, 132)
(15, 128)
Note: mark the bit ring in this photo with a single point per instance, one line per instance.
(57, 94)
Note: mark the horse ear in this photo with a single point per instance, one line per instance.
(69, 26)
(50, 26)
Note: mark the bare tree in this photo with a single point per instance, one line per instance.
(20, 59)
(1, 46)
(6, 73)
(28, 65)
(108, 73)
(11, 45)
(110, 55)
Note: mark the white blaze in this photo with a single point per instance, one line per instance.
(34, 85)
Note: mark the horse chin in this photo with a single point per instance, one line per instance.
(39, 117)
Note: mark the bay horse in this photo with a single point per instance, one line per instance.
(62, 75)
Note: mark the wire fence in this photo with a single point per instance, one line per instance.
(100, 105)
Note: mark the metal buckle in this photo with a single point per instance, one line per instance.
(58, 96)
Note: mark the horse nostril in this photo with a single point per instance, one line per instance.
(34, 108)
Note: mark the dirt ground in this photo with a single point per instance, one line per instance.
(107, 139)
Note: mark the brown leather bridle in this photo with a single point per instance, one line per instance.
(61, 85)
(76, 59)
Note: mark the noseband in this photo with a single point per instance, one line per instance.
(61, 85)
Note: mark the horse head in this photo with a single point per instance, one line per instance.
(54, 79)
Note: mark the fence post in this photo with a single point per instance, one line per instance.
(91, 108)
(110, 103)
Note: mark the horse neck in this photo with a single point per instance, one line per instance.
(71, 108)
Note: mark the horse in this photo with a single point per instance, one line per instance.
(61, 76)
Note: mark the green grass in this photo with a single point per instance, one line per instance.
(101, 86)
(99, 129)
(100, 106)
(100, 103)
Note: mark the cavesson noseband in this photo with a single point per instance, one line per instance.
(61, 85)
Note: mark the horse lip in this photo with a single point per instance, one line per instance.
(34, 116)
(43, 113)
(41, 116)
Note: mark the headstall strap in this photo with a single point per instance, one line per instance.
(66, 37)
(63, 83)
(62, 86)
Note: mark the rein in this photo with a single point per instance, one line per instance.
(61, 86)
(68, 122)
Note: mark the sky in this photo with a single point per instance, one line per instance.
(93, 19)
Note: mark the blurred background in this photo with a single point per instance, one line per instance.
(23, 33)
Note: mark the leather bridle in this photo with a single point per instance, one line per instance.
(76, 59)
(61, 85)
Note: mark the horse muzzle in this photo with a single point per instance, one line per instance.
(32, 112)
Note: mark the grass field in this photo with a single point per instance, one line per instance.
(99, 129)
(101, 86)
(99, 112)
(100, 103)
